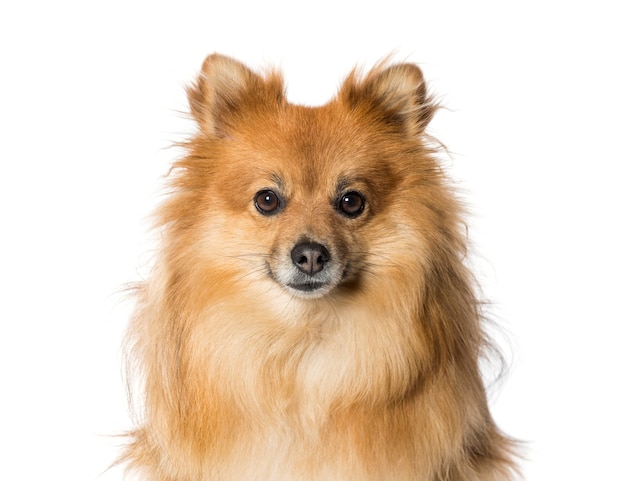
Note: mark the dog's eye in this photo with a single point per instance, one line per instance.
(267, 202)
(351, 204)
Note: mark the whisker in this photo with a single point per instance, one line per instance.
(251, 273)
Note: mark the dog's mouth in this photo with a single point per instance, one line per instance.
(301, 285)
(310, 286)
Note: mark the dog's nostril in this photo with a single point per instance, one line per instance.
(310, 257)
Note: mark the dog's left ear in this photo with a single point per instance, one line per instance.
(397, 93)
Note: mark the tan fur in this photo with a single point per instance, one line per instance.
(377, 379)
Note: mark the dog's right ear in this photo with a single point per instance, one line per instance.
(225, 88)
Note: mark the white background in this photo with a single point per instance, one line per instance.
(90, 95)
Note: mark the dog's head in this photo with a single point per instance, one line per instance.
(314, 200)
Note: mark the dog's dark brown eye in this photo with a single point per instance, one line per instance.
(267, 202)
(351, 204)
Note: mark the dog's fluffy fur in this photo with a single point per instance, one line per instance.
(358, 362)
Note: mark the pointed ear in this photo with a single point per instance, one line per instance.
(397, 92)
(224, 88)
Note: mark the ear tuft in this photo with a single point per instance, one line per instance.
(398, 92)
(224, 88)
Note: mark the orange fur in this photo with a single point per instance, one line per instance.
(371, 374)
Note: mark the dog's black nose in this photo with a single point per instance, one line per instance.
(310, 257)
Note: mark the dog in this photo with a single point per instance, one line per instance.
(309, 315)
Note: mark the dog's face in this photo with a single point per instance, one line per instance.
(307, 196)
(313, 226)
(313, 200)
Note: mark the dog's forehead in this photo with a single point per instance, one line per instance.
(294, 145)
(323, 143)
(314, 150)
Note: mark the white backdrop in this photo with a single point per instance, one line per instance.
(89, 102)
